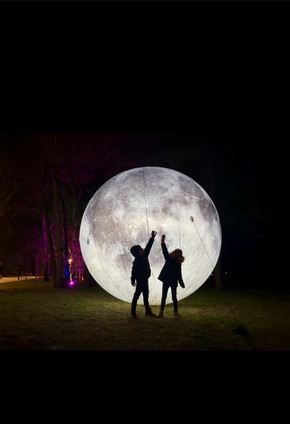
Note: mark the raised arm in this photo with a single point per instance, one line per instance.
(150, 243)
(163, 247)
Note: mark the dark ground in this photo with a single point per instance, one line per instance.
(34, 316)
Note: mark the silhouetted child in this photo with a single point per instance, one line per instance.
(140, 274)
(170, 276)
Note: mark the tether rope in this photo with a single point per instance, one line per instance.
(145, 202)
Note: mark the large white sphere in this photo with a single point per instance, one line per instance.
(125, 210)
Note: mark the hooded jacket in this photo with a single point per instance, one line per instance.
(141, 266)
(171, 271)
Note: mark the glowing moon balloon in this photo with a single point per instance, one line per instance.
(125, 210)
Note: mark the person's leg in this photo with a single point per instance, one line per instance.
(136, 296)
(174, 299)
(163, 299)
(165, 288)
(146, 295)
(148, 311)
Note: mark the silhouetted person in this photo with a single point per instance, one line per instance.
(140, 274)
(1, 270)
(19, 271)
(170, 276)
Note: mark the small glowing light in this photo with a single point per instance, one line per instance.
(70, 261)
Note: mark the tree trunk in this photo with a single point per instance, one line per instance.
(45, 249)
(65, 236)
(218, 275)
(58, 282)
(49, 259)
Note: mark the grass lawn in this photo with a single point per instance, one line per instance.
(34, 316)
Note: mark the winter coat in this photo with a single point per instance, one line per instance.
(171, 272)
(141, 266)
